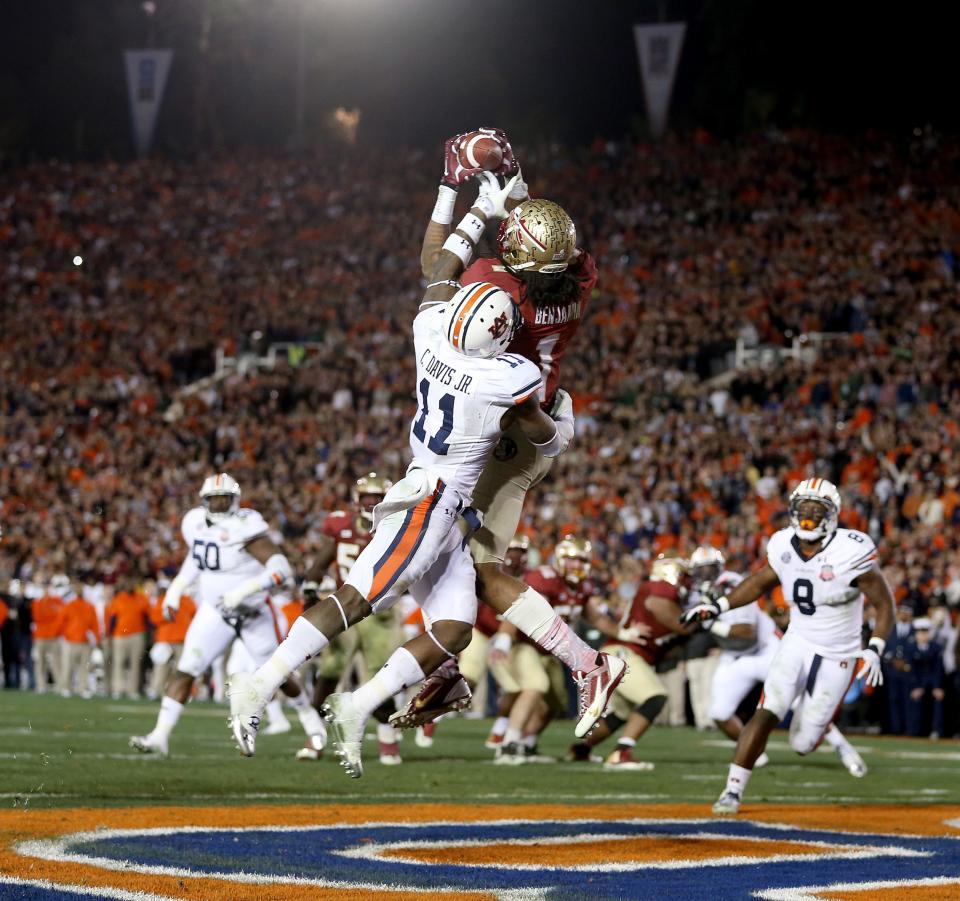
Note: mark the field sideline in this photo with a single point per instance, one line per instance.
(69, 753)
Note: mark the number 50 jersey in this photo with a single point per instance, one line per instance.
(462, 401)
(218, 549)
(825, 609)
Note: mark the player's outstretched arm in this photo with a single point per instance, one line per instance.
(751, 588)
(873, 584)
(189, 571)
(457, 250)
(276, 572)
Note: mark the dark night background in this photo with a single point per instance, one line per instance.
(418, 68)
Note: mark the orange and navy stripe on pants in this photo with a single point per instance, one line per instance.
(404, 546)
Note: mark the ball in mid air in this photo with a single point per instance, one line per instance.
(480, 151)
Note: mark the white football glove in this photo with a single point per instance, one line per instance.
(521, 190)
(635, 634)
(171, 603)
(562, 415)
(232, 601)
(872, 671)
(492, 196)
(709, 609)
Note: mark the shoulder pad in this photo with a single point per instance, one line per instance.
(193, 519)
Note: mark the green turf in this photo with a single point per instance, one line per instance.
(58, 752)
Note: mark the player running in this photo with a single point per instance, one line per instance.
(236, 564)
(824, 571)
(552, 280)
(470, 390)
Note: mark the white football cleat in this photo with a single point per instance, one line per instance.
(277, 727)
(621, 760)
(345, 728)
(594, 691)
(150, 744)
(389, 753)
(423, 737)
(512, 754)
(853, 762)
(246, 707)
(313, 749)
(762, 760)
(727, 804)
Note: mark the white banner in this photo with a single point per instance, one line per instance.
(658, 47)
(147, 72)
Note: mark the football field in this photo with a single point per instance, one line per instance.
(85, 816)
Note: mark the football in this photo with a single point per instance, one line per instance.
(480, 151)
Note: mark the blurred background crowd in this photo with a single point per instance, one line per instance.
(120, 282)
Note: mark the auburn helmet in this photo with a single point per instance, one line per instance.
(221, 485)
(370, 485)
(537, 236)
(807, 524)
(572, 558)
(480, 320)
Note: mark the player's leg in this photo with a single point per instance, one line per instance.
(377, 637)
(207, 638)
(447, 594)
(733, 680)
(530, 674)
(783, 683)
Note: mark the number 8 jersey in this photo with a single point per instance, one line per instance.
(462, 401)
(825, 608)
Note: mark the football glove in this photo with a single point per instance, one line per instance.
(455, 174)
(562, 415)
(707, 610)
(171, 604)
(871, 670)
(492, 196)
(509, 165)
(635, 634)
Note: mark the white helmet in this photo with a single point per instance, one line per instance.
(821, 492)
(705, 555)
(480, 320)
(219, 486)
(59, 583)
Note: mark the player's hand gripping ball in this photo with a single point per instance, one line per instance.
(480, 150)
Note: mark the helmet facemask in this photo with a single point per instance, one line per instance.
(221, 505)
(812, 518)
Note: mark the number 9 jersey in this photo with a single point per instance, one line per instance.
(218, 550)
(826, 609)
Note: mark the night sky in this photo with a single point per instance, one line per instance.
(420, 68)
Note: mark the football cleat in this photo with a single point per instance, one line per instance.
(581, 752)
(345, 729)
(313, 749)
(277, 727)
(246, 705)
(622, 760)
(150, 744)
(594, 691)
(762, 760)
(853, 762)
(424, 735)
(443, 691)
(494, 740)
(727, 804)
(512, 754)
(390, 753)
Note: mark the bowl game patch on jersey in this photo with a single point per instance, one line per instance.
(444, 851)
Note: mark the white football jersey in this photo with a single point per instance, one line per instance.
(462, 401)
(816, 588)
(218, 550)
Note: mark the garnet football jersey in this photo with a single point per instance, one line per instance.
(638, 614)
(546, 330)
(350, 540)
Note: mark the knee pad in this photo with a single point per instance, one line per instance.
(651, 707)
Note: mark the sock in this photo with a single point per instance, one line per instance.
(737, 779)
(530, 740)
(170, 711)
(625, 742)
(532, 614)
(512, 736)
(386, 734)
(400, 671)
(304, 641)
(500, 725)
(311, 721)
(836, 739)
(275, 711)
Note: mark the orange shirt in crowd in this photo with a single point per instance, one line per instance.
(127, 613)
(172, 632)
(4, 612)
(291, 611)
(47, 615)
(79, 620)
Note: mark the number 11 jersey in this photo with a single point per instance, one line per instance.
(825, 608)
(462, 401)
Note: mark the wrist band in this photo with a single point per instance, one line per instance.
(460, 247)
(723, 604)
(443, 209)
(878, 644)
(722, 630)
(472, 227)
(484, 205)
(553, 447)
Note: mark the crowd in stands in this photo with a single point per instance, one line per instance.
(119, 281)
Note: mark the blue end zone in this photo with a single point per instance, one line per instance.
(313, 853)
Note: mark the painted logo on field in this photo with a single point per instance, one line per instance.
(660, 853)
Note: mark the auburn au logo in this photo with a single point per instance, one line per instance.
(452, 851)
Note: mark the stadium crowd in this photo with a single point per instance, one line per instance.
(119, 281)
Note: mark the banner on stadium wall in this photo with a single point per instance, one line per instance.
(147, 72)
(658, 47)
